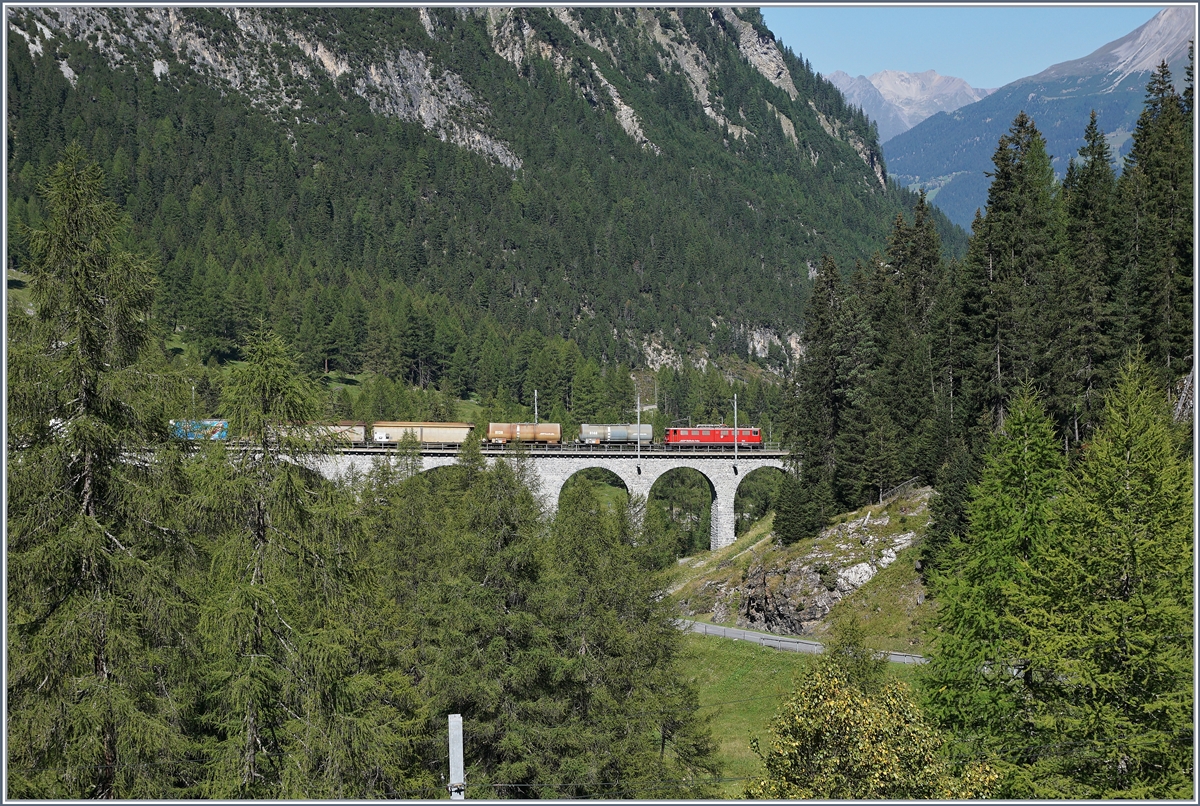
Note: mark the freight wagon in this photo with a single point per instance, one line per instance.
(606, 434)
(345, 431)
(715, 435)
(548, 433)
(199, 429)
(427, 433)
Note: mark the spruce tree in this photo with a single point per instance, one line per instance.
(813, 405)
(1084, 286)
(1157, 203)
(1007, 278)
(99, 625)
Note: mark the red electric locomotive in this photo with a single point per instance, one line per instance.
(713, 435)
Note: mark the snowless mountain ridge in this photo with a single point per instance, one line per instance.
(1163, 39)
(897, 101)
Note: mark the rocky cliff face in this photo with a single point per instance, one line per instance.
(1163, 39)
(269, 57)
(267, 61)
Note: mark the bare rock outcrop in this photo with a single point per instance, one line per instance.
(267, 62)
(795, 596)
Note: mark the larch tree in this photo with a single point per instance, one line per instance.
(978, 667)
(296, 704)
(630, 727)
(1112, 638)
(99, 616)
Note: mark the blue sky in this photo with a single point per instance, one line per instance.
(985, 46)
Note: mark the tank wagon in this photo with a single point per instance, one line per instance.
(546, 433)
(392, 433)
(713, 435)
(609, 434)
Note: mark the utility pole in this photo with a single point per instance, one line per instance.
(535, 419)
(458, 786)
(639, 432)
(735, 434)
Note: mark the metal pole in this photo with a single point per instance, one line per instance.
(639, 431)
(535, 420)
(735, 433)
(458, 785)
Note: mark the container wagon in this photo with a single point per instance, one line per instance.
(199, 429)
(344, 431)
(547, 433)
(606, 434)
(437, 433)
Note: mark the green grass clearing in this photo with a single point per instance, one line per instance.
(741, 687)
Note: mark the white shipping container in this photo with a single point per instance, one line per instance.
(393, 432)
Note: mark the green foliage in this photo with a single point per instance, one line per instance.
(1066, 639)
(1157, 204)
(975, 680)
(847, 655)
(552, 644)
(834, 740)
(1008, 306)
(1112, 635)
(98, 604)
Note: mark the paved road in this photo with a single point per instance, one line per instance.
(785, 642)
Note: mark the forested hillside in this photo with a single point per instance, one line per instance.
(910, 368)
(401, 190)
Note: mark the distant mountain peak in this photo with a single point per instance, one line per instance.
(950, 155)
(1163, 39)
(897, 100)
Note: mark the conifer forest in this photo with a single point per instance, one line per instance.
(217, 620)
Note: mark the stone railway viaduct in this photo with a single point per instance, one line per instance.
(555, 464)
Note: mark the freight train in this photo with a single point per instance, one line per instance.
(453, 434)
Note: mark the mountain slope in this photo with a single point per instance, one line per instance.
(614, 176)
(949, 152)
(897, 101)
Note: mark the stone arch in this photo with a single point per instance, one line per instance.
(741, 492)
(610, 473)
(637, 473)
(714, 503)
